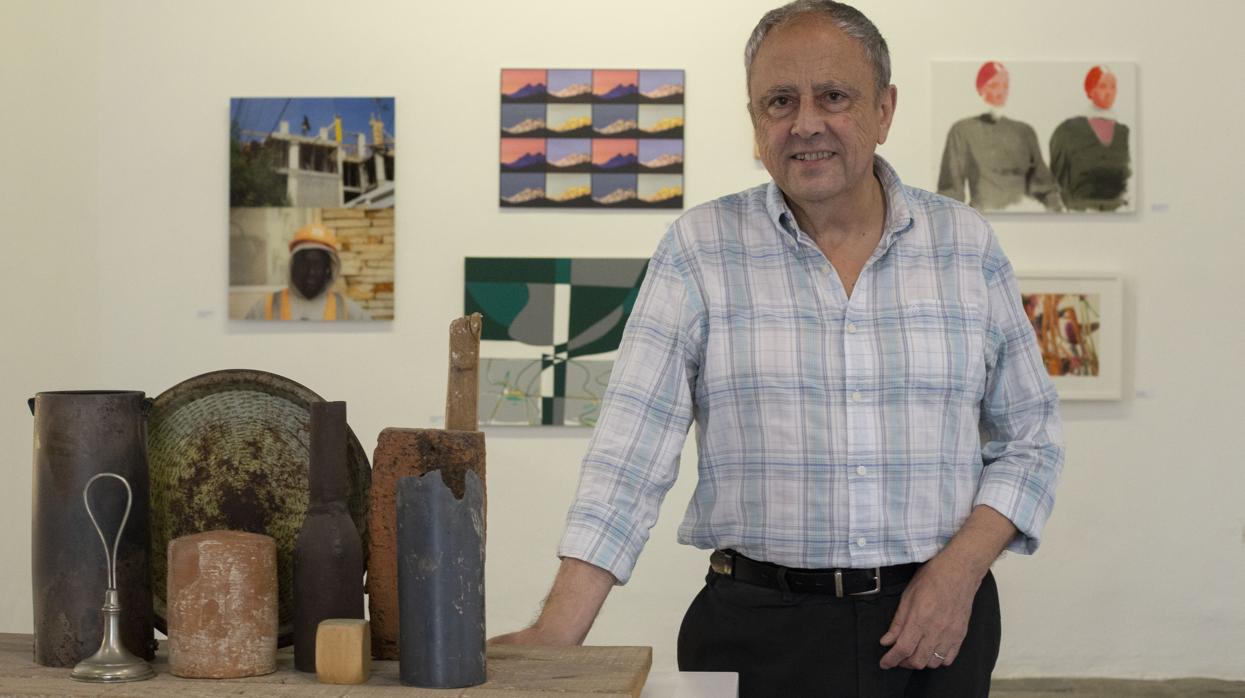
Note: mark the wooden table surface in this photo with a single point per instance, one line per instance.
(513, 672)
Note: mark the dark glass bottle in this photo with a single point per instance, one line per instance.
(328, 556)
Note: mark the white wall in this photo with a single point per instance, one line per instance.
(114, 190)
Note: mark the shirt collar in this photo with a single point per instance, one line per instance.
(1094, 112)
(898, 212)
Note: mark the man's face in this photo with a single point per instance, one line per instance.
(311, 271)
(1103, 94)
(816, 111)
(995, 89)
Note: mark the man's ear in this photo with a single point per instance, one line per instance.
(886, 107)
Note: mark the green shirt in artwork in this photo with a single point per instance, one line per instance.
(1092, 176)
(1000, 160)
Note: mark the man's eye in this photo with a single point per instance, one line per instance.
(780, 102)
(835, 96)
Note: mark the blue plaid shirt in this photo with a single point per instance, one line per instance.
(831, 431)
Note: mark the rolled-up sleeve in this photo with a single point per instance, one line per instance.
(633, 456)
(1022, 449)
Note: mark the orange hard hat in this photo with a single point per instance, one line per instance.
(315, 235)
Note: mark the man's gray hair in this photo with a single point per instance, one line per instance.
(848, 19)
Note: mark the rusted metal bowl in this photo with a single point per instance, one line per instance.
(229, 450)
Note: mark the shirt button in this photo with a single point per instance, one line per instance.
(860, 470)
(861, 542)
(851, 328)
(856, 396)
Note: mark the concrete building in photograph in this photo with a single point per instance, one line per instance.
(324, 171)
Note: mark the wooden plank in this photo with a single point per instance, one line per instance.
(513, 672)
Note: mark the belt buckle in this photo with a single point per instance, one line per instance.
(877, 584)
(722, 562)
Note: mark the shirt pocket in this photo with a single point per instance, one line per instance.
(939, 351)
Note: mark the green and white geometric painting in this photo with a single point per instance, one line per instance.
(551, 329)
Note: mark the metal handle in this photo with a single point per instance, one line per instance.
(111, 559)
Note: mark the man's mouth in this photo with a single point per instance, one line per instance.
(817, 155)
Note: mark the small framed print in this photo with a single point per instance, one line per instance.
(1078, 319)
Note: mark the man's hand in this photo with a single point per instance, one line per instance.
(934, 610)
(932, 617)
(572, 605)
(530, 636)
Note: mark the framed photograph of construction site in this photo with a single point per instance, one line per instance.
(311, 208)
(1078, 320)
(591, 138)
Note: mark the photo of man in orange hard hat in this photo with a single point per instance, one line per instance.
(314, 266)
(311, 208)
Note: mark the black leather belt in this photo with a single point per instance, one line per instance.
(839, 582)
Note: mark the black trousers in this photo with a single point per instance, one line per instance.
(792, 645)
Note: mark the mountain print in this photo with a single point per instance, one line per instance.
(522, 85)
(527, 93)
(570, 86)
(661, 87)
(618, 163)
(526, 163)
(619, 93)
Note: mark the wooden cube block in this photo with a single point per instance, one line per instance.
(343, 651)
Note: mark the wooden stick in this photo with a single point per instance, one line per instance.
(463, 388)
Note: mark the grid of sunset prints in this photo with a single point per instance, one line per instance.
(591, 138)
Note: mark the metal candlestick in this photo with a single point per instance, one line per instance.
(113, 663)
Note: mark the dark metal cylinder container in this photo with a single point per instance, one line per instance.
(441, 582)
(79, 434)
(328, 555)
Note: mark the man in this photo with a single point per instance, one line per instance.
(839, 339)
(1089, 154)
(314, 266)
(998, 157)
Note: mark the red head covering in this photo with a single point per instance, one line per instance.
(1094, 75)
(988, 70)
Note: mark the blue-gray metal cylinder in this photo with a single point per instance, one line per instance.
(441, 582)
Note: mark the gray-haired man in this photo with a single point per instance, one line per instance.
(874, 424)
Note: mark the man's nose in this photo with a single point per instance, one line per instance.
(808, 122)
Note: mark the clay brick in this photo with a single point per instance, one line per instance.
(365, 247)
(222, 599)
(328, 213)
(402, 453)
(347, 223)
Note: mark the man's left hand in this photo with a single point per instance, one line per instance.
(933, 614)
